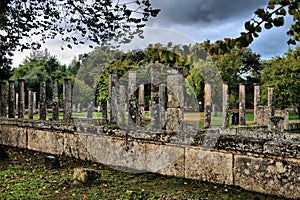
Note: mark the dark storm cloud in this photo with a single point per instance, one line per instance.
(188, 12)
(218, 19)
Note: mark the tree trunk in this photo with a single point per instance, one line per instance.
(298, 108)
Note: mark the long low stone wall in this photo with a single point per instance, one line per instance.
(251, 157)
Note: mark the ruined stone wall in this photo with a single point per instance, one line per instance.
(251, 157)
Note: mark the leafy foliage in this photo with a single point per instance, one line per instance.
(283, 73)
(265, 18)
(40, 66)
(74, 21)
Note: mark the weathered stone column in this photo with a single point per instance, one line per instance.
(34, 102)
(11, 99)
(30, 104)
(122, 105)
(104, 112)
(55, 101)
(42, 101)
(3, 99)
(242, 104)
(141, 108)
(113, 97)
(17, 103)
(67, 96)
(21, 99)
(207, 105)
(154, 107)
(90, 110)
(225, 106)
(174, 114)
(162, 103)
(132, 109)
(271, 100)
(256, 100)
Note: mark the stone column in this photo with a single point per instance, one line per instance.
(122, 105)
(141, 108)
(30, 104)
(225, 106)
(271, 100)
(21, 99)
(67, 97)
(17, 103)
(113, 97)
(162, 103)
(3, 99)
(242, 104)
(11, 99)
(174, 114)
(256, 100)
(90, 110)
(42, 101)
(132, 111)
(154, 107)
(34, 102)
(55, 101)
(104, 112)
(207, 105)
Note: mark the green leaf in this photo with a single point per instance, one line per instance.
(248, 25)
(278, 21)
(268, 25)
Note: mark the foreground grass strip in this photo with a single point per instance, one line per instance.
(24, 176)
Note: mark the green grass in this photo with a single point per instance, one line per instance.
(196, 118)
(25, 177)
(293, 117)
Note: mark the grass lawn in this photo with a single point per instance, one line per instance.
(195, 118)
(24, 176)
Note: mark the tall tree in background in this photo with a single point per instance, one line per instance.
(283, 73)
(40, 66)
(74, 21)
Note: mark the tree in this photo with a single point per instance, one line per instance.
(239, 66)
(40, 66)
(272, 16)
(283, 73)
(75, 21)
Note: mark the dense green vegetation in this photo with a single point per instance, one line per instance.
(90, 73)
(234, 62)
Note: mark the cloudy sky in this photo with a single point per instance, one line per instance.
(188, 21)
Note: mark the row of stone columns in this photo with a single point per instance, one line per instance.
(121, 102)
(242, 104)
(16, 101)
(171, 118)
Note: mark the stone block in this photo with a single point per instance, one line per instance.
(272, 176)
(135, 155)
(240, 144)
(208, 166)
(282, 148)
(13, 136)
(75, 145)
(46, 141)
(86, 175)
